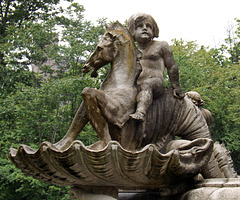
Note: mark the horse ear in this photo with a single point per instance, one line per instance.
(110, 35)
(106, 26)
(114, 38)
(121, 37)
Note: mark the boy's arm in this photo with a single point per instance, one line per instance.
(172, 70)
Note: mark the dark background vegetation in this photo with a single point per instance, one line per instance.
(34, 108)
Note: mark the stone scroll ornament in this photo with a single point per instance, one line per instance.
(129, 154)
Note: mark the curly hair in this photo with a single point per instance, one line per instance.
(135, 18)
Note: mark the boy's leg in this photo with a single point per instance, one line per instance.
(144, 100)
(150, 89)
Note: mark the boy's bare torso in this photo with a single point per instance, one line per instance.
(152, 62)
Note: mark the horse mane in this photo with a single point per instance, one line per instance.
(117, 29)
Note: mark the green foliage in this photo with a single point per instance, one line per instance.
(31, 116)
(14, 185)
(78, 40)
(195, 64)
(44, 113)
(230, 51)
(10, 77)
(33, 109)
(24, 32)
(218, 84)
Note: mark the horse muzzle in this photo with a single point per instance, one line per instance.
(86, 68)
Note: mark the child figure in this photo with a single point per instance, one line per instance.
(156, 55)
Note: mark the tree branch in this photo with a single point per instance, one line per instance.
(4, 19)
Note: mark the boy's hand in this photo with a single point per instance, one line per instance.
(178, 93)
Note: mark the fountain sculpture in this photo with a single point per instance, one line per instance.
(136, 152)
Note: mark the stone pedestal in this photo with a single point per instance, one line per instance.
(94, 193)
(215, 189)
(208, 189)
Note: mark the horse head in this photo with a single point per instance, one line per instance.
(108, 48)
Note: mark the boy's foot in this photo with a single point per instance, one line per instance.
(138, 116)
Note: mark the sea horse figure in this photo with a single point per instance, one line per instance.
(130, 154)
(108, 108)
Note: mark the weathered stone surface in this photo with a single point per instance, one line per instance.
(109, 108)
(215, 189)
(104, 194)
(136, 147)
(213, 193)
(219, 182)
(114, 166)
(207, 189)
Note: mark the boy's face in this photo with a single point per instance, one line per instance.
(143, 31)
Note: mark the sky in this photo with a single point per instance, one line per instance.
(204, 21)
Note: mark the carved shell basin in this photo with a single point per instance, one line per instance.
(112, 166)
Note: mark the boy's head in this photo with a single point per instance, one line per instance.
(136, 18)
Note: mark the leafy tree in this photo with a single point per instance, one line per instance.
(31, 110)
(43, 114)
(230, 51)
(16, 14)
(14, 185)
(25, 30)
(233, 42)
(31, 116)
(217, 81)
(78, 40)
